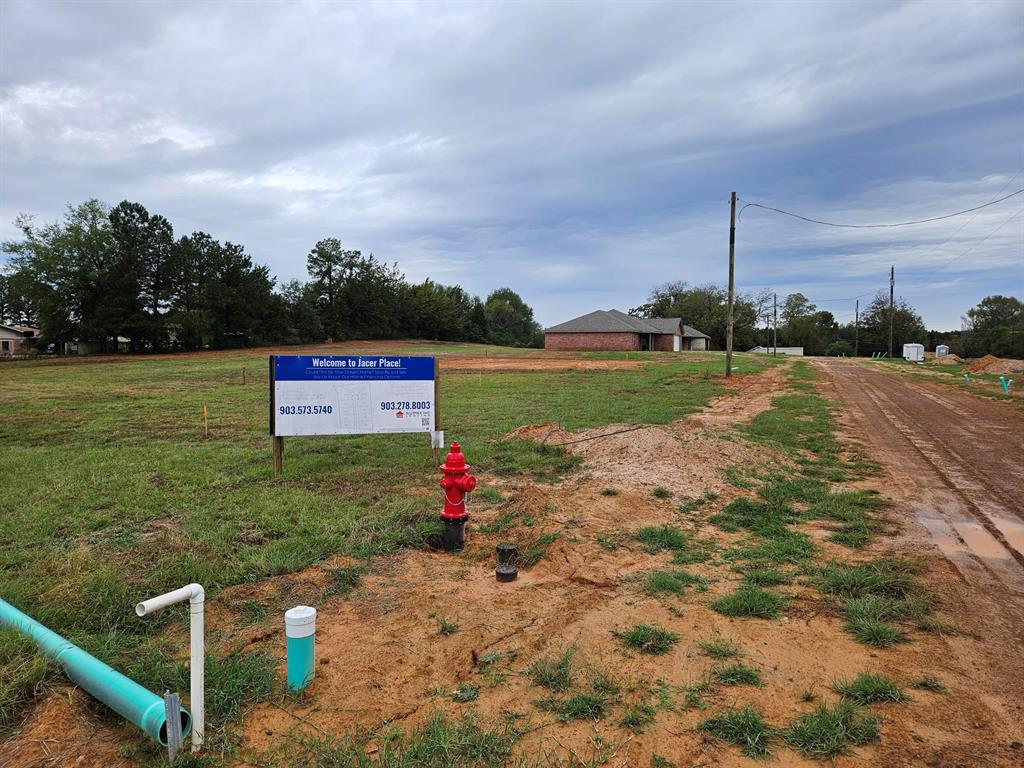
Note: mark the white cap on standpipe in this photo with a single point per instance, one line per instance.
(300, 621)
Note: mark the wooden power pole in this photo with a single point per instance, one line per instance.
(856, 326)
(732, 284)
(775, 324)
(892, 283)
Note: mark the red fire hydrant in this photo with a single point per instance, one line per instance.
(456, 483)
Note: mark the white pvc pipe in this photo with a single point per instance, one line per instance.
(196, 597)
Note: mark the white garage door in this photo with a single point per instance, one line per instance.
(677, 342)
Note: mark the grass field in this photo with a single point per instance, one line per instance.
(113, 493)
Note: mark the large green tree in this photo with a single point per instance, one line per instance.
(510, 320)
(995, 327)
(705, 307)
(874, 326)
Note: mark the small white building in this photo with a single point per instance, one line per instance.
(941, 351)
(794, 351)
(913, 352)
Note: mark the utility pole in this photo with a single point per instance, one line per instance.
(892, 282)
(856, 326)
(775, 324)
(732, 284)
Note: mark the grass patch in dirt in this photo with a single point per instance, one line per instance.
(746, 728)
(661, 492)
(648, 638)
(874, 595)
(579, 706)
(738, 674)
(869, 688)
(466, 692)
(671, 582)
(750, 601)
(928, 683)
(553, 672)
(766, 577)
(533, 552)
(638, 716)
(720, 648)
(464, 743)
(830, 731)
(658, 538)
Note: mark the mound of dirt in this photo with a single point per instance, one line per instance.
(993, 364)
(947, 359)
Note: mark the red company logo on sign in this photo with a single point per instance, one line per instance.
(399, 415)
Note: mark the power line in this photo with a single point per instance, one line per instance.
(877, 226)
(975, 245)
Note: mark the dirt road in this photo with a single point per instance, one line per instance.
(955, 470)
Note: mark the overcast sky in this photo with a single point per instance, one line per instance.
(579, 153)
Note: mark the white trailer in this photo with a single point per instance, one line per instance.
(941, 351)
(913, 352)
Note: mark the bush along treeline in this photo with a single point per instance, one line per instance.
(112, 279)
(995, 326)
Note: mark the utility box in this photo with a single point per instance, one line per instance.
(941, 351)
(913, 352)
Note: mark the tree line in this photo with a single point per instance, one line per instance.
(118, 277)
(994, 326)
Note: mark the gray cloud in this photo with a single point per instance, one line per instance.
(578, 152)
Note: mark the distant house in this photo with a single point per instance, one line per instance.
(794, 351)
(17, 339)
(614, 330)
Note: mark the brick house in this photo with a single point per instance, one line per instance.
(16, 339)
(614, 330)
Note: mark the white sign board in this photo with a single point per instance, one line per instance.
(351, 395)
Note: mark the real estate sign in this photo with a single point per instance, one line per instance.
(351, 395)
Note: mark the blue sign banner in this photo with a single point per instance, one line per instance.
(352, 395)
(352, 368)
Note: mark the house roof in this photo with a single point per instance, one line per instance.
(614, 321)
(692, 333)
(24, 330)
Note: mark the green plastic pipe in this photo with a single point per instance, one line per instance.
(126, 697)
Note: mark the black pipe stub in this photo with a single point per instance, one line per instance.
(506, 573)
(454, 534)
(506, 553)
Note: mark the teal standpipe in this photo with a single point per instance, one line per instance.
(300, 631)
(126, 697)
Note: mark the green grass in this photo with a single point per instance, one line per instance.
(738, 674)
(658, 538)
(830, 731)
(439, 743)
(869, 688)
(745, 728)
(638, 716)
(609, 491)
(444, 626)
(661, 492)
(648, 638)
(486, 493)
(874, 595)
(466, 692)
(928, 683)
(553, 672)
(533, 552)
(579, 706)
(750, 601)
(671, 582)
(766, 577)
(719, 648)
